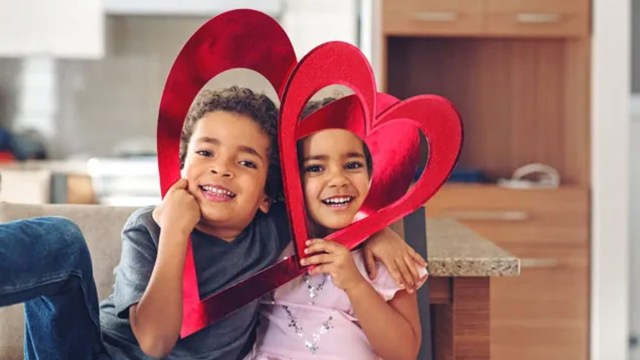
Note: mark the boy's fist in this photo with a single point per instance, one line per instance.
(179, 210)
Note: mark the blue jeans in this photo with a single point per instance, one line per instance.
(45, 264)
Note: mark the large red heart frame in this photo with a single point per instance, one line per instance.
(252, 40)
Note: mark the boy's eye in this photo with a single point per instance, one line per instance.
(353, 165)
(205, 153)
(249, 164)
(313, 168)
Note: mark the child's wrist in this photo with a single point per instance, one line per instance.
(357, 287)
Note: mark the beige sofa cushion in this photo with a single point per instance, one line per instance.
(101, 226)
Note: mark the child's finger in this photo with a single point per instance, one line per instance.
(417, 257)
(316, 259)
(406, 274)
(370, 264)
(179, 185)
(319, 245)
(395, 274)
(411, 265)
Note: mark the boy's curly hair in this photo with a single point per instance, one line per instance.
(245, 102)
(315, 105)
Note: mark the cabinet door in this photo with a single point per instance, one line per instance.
(432, 17)
(537, 17)
(543, 313)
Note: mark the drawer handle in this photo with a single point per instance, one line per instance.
(539, 263)
(509, 215)
(538, 18)
(435, 16)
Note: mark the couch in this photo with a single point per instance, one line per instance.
(101, 226)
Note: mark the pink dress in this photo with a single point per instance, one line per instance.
(311, 318)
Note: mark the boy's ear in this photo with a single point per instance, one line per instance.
(265, 204)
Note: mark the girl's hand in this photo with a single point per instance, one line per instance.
(398, 257)
(333, 259)
(178, 210)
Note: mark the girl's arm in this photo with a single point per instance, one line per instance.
(156, 320)
(393, 328)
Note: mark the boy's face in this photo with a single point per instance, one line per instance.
(226, 167)
(335, 178)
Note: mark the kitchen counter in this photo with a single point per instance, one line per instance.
(454, 304)
(455, 250)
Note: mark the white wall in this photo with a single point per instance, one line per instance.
(610, 177)
(634, 197)
(60, 28)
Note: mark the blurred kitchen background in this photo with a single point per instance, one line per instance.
(542, 173)
(85, 99)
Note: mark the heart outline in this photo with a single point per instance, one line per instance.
(342, 63)
(235, 39)
(210, 51)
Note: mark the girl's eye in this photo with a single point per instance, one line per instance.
(313, 169)
(205, 153)
(353, 165)
(249, 164)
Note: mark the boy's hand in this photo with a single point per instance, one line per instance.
(397, 256)
(333, 259)
(179, 210)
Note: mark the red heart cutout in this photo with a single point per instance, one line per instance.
(235, 39)
(252, 40)
(342, 63)
(394, 149)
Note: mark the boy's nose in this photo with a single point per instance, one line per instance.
(221, 169)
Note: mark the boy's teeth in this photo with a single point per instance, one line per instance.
(219, 191)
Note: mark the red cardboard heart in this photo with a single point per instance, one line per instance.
(252, 40)
(342, 63)
(235, 39)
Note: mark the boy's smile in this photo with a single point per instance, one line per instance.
(335, 178)
(226, 167)
(217, 193)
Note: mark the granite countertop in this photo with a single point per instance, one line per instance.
(456, 250)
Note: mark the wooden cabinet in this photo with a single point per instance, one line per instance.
(542, 314)
(518, 72)
(519, 18)
(537, 17)
(443, 17)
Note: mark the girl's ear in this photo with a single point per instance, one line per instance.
(265, 204)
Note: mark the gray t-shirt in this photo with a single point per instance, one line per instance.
(218, 265)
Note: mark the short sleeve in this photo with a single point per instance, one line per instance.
(139, 250)
(386, 286)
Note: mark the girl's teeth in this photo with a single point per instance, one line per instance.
(338, 200)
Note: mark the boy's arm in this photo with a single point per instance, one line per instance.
(156, 320)
(400, 259)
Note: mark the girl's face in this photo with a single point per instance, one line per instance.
(335, 179)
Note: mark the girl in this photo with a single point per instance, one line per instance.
(336, 311)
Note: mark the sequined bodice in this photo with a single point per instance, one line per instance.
(315, 320)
